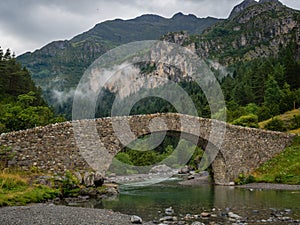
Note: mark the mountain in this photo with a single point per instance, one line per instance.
(241, 7)
(253, 32)
(60, 64)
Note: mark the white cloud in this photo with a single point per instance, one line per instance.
(26, 25)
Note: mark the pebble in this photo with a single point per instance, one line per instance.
(234, 216)
(169, 211)
(197, 223)
(205, 214)
(136, 220)
(168, 218)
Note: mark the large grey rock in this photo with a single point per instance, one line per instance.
(161, 169)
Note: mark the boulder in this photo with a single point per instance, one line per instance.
(161, 169)
(184, 170)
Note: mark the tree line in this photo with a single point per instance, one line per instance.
(21, 103)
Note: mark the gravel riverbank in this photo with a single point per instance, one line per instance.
(268, 186)
(44, 214)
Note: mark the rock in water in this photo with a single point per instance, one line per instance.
(136, 220)
(98, 180)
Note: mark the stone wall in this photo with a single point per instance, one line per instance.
(55, 149)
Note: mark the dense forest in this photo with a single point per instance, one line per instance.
(21, 102)
(254, 91)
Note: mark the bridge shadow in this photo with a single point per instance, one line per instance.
(186, 149)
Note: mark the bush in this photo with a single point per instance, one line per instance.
(295, 122)
(263, 113)
(250, 120)
(276, 125)
(2, 128)
(70, 185)
(243, 179)
(12, 182)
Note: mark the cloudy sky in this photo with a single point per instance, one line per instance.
(26, 25)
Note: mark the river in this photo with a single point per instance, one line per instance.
(150, 202)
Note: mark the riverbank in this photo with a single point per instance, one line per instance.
(269, 186)
(44, 214)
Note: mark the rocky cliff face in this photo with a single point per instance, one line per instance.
(259, 30)
(241, 7)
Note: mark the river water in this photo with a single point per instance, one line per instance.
(150, 202)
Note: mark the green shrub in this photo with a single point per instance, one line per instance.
(295, 122)
(250, 120)
(243, 179)
(70, 185)
(12, 182)
(276, 125)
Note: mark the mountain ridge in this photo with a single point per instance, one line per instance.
(257, 30)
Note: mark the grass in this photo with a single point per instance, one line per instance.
(283, 168)
(287, 118)
(297, 131)
(16, 190)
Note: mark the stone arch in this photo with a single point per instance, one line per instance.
(218, 164)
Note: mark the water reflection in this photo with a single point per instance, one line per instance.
(149, 201)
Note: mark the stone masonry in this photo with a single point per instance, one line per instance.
(70, 145)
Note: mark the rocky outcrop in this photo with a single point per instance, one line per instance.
(241, 7)
(253, 30)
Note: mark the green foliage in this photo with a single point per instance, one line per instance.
(69, 185)
(15, 190)
(13, 182)
(250, 120)
(283, 168)
(244, 179)
(21, 103)
(295, 122)
(276, 125)
(273, 95)
(171, 152)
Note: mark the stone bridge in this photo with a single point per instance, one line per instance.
(59, 147)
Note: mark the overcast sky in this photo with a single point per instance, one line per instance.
(26, 25)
